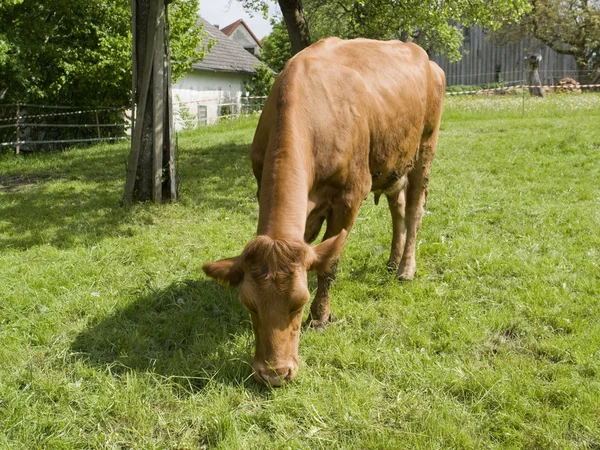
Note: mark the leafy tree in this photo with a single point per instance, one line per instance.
(276, 47)
(261, 82)
(295, 22)
(435, 25)
(186, 36)
(293, 16)
(79, 52)
(571, 27)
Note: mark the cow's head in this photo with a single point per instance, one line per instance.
(272, 275)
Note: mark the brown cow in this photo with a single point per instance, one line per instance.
(343, 118)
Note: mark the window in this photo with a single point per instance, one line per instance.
(202, 115)
(249, 50)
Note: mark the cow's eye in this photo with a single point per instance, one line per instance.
(296, 311)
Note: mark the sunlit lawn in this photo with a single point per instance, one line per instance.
(111, 336)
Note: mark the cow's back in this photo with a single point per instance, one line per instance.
(358, 107)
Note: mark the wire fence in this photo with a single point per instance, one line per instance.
(513, 77)
(520, 87)
(31, 127)
(209, 111)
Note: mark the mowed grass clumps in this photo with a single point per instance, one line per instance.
(111, 336)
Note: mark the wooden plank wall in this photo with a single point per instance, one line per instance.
(486, 63)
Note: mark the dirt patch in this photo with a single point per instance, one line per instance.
(13, 183)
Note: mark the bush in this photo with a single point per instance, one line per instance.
(259, 86)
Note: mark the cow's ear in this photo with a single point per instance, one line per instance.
(226, 271)
(325, 255)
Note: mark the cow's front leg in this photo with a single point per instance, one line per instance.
(320, 309)
(341, 217)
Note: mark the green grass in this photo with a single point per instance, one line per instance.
(111, 336)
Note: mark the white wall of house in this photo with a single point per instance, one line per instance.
(206, 88)
(245, 39)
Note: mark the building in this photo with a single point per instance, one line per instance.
(484, 62)
(241, 33)
(215, 85)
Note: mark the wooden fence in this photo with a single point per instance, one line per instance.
(485, 62)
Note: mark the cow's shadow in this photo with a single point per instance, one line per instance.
(193, 332)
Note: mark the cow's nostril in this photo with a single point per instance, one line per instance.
(275, 377)
(291, 374)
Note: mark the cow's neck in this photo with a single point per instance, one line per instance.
(284, 194)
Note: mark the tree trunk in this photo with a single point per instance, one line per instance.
(295, 22)
(151, 168)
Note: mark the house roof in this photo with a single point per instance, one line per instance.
(226, 55)
(229, 29)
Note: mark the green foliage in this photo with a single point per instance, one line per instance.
(571, 27)
(185, 115)
(186, 36)
(276, 47)
(112, 337)
(434, 25)
(567, 27)
(261, 6)
(259, 86)
(66, 52)
(54, 50)
(261, 82)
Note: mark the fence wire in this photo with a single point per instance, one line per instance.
(31, 127)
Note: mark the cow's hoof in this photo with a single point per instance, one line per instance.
(319, 324)
(392, 266)
(406, 275)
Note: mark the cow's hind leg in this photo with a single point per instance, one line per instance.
(416, 197)
(342, 217)
(396, 198)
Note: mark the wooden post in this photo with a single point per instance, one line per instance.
(18, 133)
(158, 95)
(533, 76)
(134, 62)
(97, 125)
(136, 138)
(151, 173)
(170, 148)
(522, 81)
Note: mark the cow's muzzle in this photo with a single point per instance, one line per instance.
(272, 376)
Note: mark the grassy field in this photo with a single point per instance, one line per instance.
(111, 336)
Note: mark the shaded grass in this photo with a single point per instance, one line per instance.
(112, 337)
